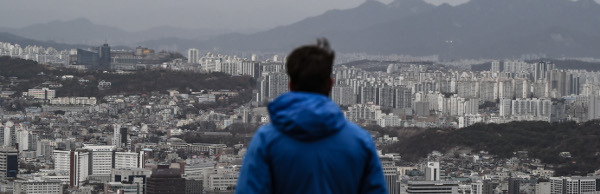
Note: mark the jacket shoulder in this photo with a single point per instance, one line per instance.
(266, 132)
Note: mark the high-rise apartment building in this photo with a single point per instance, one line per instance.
(495, 67)
(271, 86)
(343, 95)
(193, 56)
(541, 70)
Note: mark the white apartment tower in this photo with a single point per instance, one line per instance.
(75, 162)
(432, 171)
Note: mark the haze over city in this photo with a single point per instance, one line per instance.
(188, 96)
(137, 15)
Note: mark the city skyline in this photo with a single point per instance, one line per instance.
(77, 127)
(152, 96)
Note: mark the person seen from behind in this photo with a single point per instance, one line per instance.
(309, 146)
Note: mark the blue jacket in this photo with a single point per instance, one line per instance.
(309, 147)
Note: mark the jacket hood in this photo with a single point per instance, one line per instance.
(306, 116)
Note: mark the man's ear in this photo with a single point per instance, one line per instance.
(291, 87)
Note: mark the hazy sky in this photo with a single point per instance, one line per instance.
(133, 15)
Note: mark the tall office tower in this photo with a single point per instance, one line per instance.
(165, 180)
(193, 56)
(432, 171)
(9, 163)
(495, 67)
(104, 55)
(77, 163)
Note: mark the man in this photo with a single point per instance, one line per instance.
(309, 146)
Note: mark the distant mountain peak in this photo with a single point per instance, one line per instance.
(406, 2)
(372, 3)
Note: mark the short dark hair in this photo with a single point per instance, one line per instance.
(309, 67)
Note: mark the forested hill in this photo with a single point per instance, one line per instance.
(31, 74)
(543, 141)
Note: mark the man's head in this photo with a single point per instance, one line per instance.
(309, 68)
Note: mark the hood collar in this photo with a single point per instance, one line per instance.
(306, 116)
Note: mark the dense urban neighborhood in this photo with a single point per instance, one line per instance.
(140, 121)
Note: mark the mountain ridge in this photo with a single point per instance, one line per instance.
(479, 28)
(84, 31)
(476, 29)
